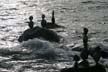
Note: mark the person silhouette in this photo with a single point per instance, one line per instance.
(76, 58)
(85, 38)
(85, 52)
(53, 18)
(31, 23)
(97, 54)
(43, 22)
(84, 62)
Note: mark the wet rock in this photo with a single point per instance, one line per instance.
(38, 32)
(104, 54)
(96, 68)
(50, 25)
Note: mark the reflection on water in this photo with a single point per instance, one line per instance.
(73, 14)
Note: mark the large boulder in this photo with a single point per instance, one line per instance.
(38, 32)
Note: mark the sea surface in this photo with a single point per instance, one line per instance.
(38, 55)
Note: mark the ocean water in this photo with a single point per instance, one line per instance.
(42, 56)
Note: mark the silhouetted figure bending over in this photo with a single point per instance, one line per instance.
(97, 54)
(31, 23)
(76, 59)
(53, 18)
(43, 22)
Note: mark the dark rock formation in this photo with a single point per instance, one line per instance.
(104, 54)
(38, 32)
(51, 24)
(96, 68)
(84, 65)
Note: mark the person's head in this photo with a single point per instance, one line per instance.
(53, 12)
(85, 30)
(76, 58)
(98, 48)
(84, 54)
(31, 18)
(43, 16)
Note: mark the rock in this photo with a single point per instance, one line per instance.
(104, 54)
(38, 32)
(96, 68)
(50, 25)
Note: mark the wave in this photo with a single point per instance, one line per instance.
(41, 49)
(44, 49)
(36, 48)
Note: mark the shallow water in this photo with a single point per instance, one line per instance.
(33, 55)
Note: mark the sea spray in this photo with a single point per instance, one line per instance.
(44, 49)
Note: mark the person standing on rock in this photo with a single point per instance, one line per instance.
(43, 22)
(31, 23)
(53, 18)
(84, 54)
(85, 38)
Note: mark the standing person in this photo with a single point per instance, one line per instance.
(43, 22)
(31, 23)
(85, 38)
(53, 18)
(84, 54)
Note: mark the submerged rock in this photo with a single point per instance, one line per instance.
(38, 32)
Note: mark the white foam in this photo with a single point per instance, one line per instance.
(44, 48)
